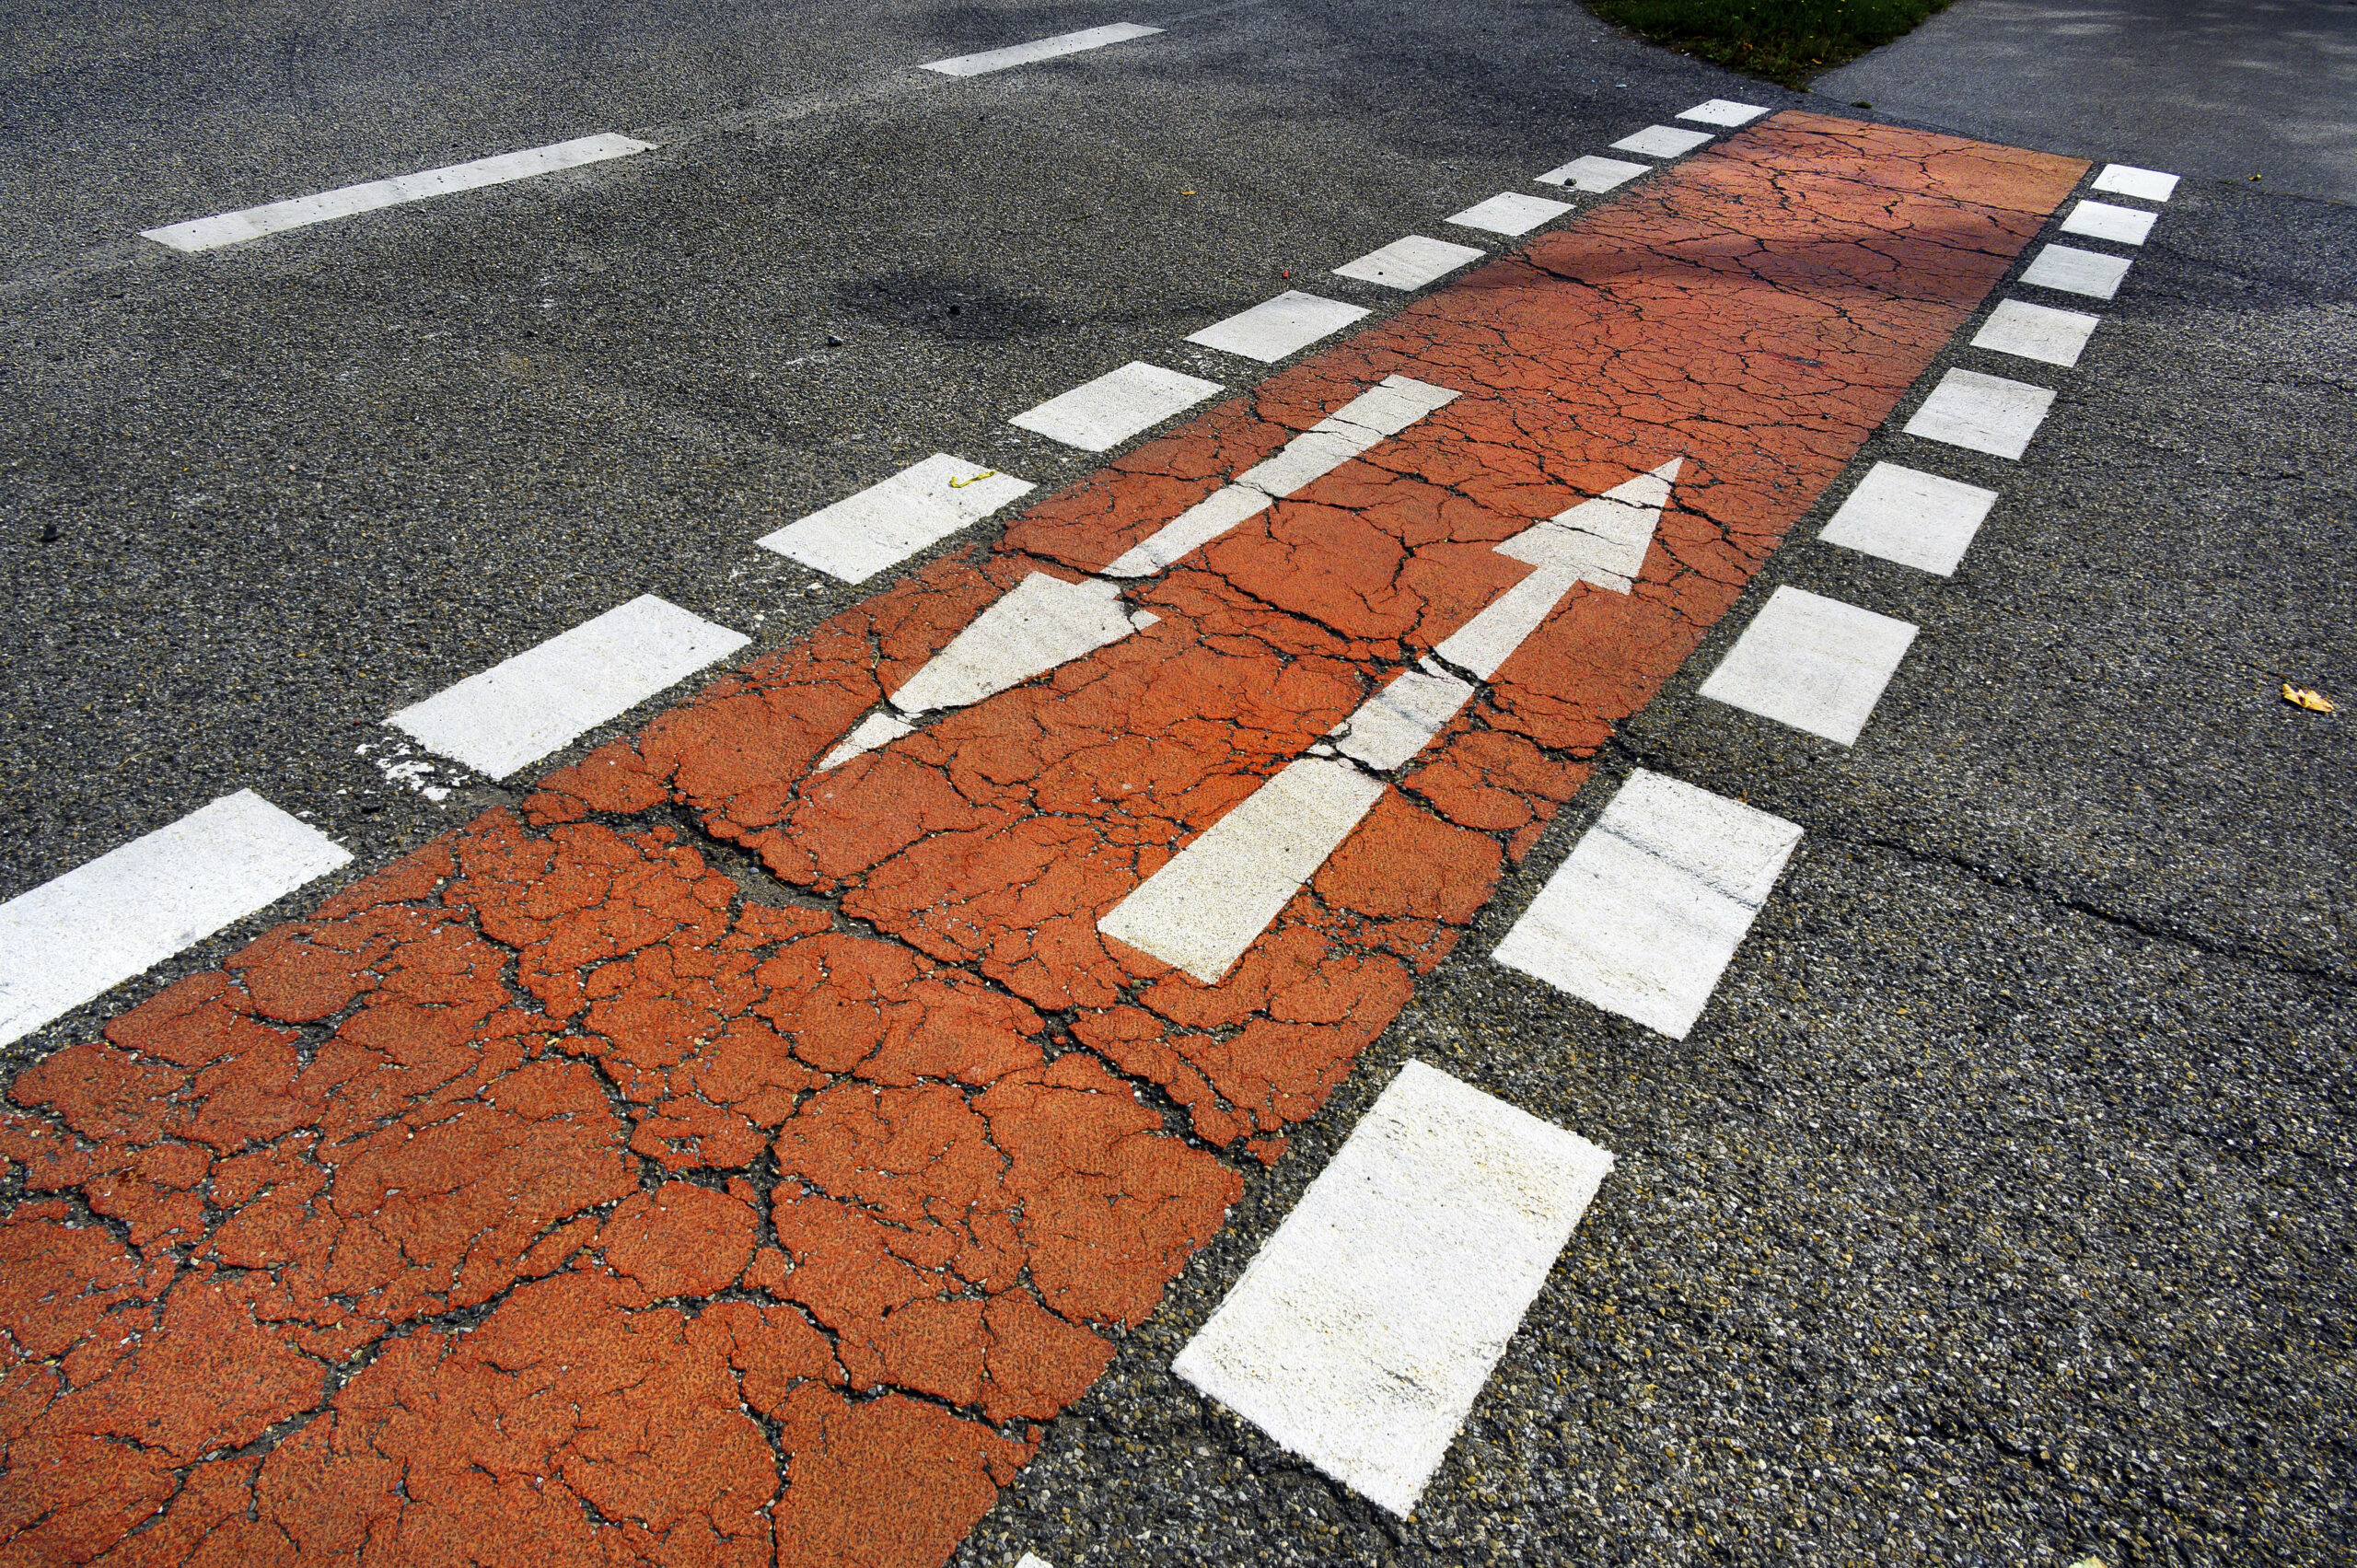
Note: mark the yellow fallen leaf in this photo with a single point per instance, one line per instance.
(2307, 697)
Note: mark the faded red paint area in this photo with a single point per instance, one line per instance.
(548, 1190)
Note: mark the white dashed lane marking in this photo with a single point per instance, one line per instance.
(2070, 270)
(1364, 1328)
(1275, 328)
(1410, 262)
(523, 708)
(1510, 213)
(110, 920)
(1101, 414)
(1040, 49)
(252, 223)
(2102, 220)
(2127, 179)
(1813, 663)
(1662, 141)
(1982, 413)
(1722, 111)
(1594, 174)
(1656, 896)
(1917, 519)
(887, 523)
(2037, 332)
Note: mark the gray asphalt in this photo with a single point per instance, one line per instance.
(2215, 88)
(1998, 1210)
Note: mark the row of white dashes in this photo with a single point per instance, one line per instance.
(865, 533)
(1649, 910)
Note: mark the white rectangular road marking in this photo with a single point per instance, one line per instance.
(1982, 413)
(1812, 662)
(1101, 414)
(1510, 212)
(252, 223)
(1596, 174)
(1383, 409)
(1387, 729)
(523, 708)
(1038, 48)
(1269, 330)
(1213, 900)
(2127, 179)
(1722, 111)
(1362, 1331)
(1917, 519)
(113, 918)
(1662, 141)
(1410, 262)
(2101, 220)
(1656, 896)
(2073, 270)
(2037, 332)
(887, 523)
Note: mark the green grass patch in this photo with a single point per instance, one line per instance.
(1784, 40)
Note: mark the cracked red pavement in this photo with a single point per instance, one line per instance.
(548, 1197)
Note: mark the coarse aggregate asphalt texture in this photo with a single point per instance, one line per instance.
(1998, 1210)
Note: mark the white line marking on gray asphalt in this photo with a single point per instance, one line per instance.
(2037, 332)
(1645, 915)
(523, 708)
(1275, 328)
(1594, 174)
(2127, 179)
(112, 918)
(1365, 1328)
(1982, 413)
(1815, 663)
(1030, 1560)
(2073, 271)
(1213, 899)
(1409, 262)
(252, 223)
(2102, 220)
(1383, 409)
(1662, 141)
(1915, 519)
(1038, 48)
(1099, 415)
(1723, 111)
(1510, 212)
(887, 522)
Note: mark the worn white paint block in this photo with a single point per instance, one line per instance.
(1365, 1327)
(1983, 413)
(1391, 726)
(1062, 44)
(887, 523)
(1099, 415)
(2037, 332)
(1915, 519)
(1275, 328)
(1656, 896)
(1409, 262)
(1510, 212)
(1662, 141)
(1597, 174)
(1383, 409)
(1813, 663)
(2127, 179)
(523, 708)
(1723, 111)
(252, 223)
(2102, 220)
(105, 922)
(2073, 270)
(1213, 899)
(1029, 1561)
(1039, 623)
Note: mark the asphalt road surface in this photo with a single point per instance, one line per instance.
(1996, 1210)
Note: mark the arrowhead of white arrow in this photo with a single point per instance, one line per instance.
(1604, 540)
